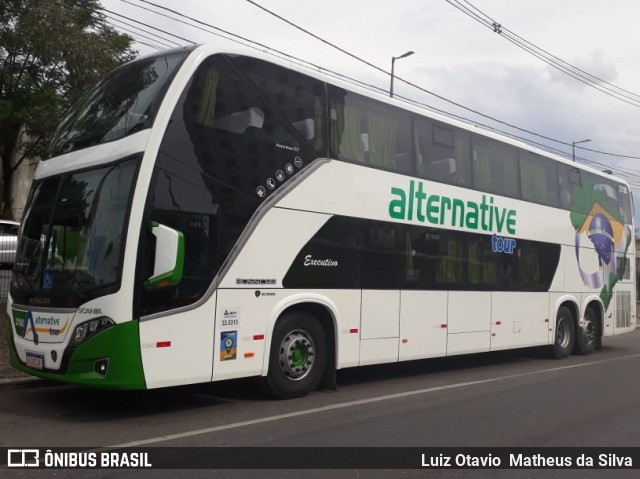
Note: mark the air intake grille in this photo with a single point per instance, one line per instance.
(623, 309)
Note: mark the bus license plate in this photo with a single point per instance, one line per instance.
(35, 360)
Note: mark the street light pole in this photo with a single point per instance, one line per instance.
(574, 148)
(393, 62)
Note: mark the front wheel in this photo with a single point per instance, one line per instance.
(587, 335)
(298, 356)
(565, 333)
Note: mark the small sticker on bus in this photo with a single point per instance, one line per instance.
(230, 317)
(228, 345)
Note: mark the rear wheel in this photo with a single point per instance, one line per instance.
(565, 333)
(587, 335)
(298, 356)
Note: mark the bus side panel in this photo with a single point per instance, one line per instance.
(177, 348)
(423, 324)
(469, 328)
(519, 320)
(242, 319)
(245, 320)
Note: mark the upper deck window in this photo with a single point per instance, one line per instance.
(124, 102)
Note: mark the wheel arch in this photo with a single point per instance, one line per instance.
(320, 307)
(573, 305)
(595, 303)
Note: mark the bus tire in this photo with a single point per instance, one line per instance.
(565, 333)
(298, 356)
(588, 333)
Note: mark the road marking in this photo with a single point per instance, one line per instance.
(359, 402)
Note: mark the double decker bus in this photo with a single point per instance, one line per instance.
(207, 215)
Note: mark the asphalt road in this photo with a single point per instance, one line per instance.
(517, 398)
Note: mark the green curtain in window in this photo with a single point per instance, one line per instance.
(481, 271)
(451, 264)
(345, 132)
(382, 140)
(528, 269)
(207, 105)
(318, 123)
(510, 179)
(534, 181)
(475, 268)
(463, 165)
(481, 168)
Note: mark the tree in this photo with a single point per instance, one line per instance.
(51, 52)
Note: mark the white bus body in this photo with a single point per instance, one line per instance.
(243, 217)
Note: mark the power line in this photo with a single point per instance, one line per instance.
(255, 45)
(147, 25)
(630, 174)
(592, 77)
(169, 43)
(550, 59)
(133, 32)
(307, 64)
(510, 125)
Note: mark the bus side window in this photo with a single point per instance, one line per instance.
(443, 152)
(381, 257)
(538, 179)
(365, 132)
(495, 167)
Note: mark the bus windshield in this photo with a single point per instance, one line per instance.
(72, 235)
(125, 102)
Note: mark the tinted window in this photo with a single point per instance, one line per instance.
(422, 257)
(455, 260)
(495, 167)
(434, 259)
(571, 192)
(444, 152)
(265, 101)
(623, 265)
(624, 201)
(381, 256)
(73, 235)
(125, 102)
(241, 130)
(367, 132)
(539, 179)
(612, 196)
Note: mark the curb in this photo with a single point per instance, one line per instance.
(21, 382)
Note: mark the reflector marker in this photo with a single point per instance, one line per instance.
(258, 337)
(163, 344)
(353, 331)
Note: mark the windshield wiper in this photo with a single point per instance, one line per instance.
(76, 285)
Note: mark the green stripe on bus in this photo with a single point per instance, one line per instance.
(120, 344)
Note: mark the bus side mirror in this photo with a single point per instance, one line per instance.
(169, 261)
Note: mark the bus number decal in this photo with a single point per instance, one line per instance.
(230, 317)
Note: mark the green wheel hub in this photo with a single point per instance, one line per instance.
(297, 354)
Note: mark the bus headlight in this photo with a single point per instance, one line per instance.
(89, 328)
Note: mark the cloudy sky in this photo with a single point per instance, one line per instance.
(455, 57)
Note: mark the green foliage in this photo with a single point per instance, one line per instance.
(51, 52)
